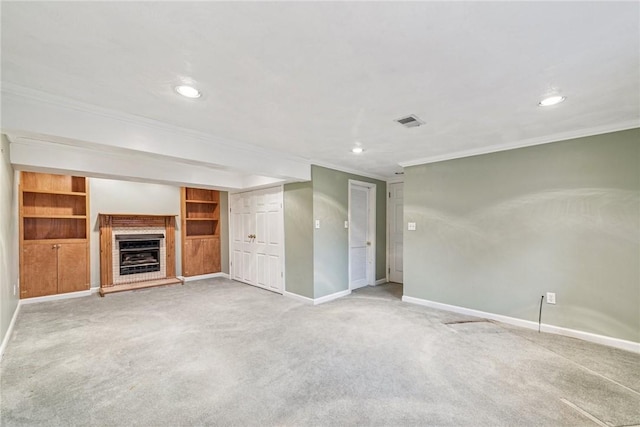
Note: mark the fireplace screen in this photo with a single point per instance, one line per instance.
(139, 253)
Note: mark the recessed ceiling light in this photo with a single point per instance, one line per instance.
(188, 91)
(357, 150)
(551, 100)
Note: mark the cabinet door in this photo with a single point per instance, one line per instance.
(211, 255)
(72, 267)
(39, 270)
(193, 257)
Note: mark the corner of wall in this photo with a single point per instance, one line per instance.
(9, 268)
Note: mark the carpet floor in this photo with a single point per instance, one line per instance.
(216, 352)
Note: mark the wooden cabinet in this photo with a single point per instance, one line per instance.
(54, 234)
(53, 268)
(200, 219)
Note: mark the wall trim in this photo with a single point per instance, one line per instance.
(7, 336)
(331, 297)
(557, 137)
(349, 170)
(381, 281)
(558, 330)
(300, 298)
(203, 276)
(316, 301)
(56, 297)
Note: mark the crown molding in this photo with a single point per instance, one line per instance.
(395, 180)
(557, 137)
(349, 170)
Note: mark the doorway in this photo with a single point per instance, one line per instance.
(362, 234)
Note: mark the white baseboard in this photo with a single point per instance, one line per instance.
(317, 301)
(380, 282)
(331, 297)
(305, 300)
(586, 336)
(68, 295)
(7, 336)
(203, 276)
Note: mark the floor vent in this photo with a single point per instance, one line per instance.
(410, 121)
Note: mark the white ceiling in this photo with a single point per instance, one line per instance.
(313, 79)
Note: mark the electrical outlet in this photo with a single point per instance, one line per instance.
(346, 224)
(317, 223)
(551, 297)
(411, 226)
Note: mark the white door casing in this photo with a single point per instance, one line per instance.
(396, 230)
(361, 234)
(257, 245)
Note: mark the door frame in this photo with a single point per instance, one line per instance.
(390, 225)
(231, 230)
(371, 271)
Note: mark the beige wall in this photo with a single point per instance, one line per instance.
(497, 231)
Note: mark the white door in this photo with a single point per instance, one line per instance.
(396, 228)
(361, 234)
(257, 245)
(243, 227)
(268, 240)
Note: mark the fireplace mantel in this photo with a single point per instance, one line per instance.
(108, 222)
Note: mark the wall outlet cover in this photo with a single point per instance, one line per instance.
(411, 226)
(346, 224)
(317, 223)
(551, 298)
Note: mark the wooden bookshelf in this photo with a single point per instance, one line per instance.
(54, 234)
(200, 220)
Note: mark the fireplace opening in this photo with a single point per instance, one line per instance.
(139, 253)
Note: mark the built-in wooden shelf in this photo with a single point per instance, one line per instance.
(200, 231)
(207, 202)
(82, 217)
(60, 193)
(54, 234)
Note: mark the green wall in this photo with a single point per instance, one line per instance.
(317, 260)
(8, 240)
(298, 238)
(497, 231)
(331, 240)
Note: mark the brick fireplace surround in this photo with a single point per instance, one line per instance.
(111, 224)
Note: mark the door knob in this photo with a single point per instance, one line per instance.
(368, 243)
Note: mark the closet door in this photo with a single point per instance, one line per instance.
(257, 238)
(268, 243)
(244, 225)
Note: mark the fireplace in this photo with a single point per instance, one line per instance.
(138, 253)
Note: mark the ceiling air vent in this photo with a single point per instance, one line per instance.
(410, 121)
